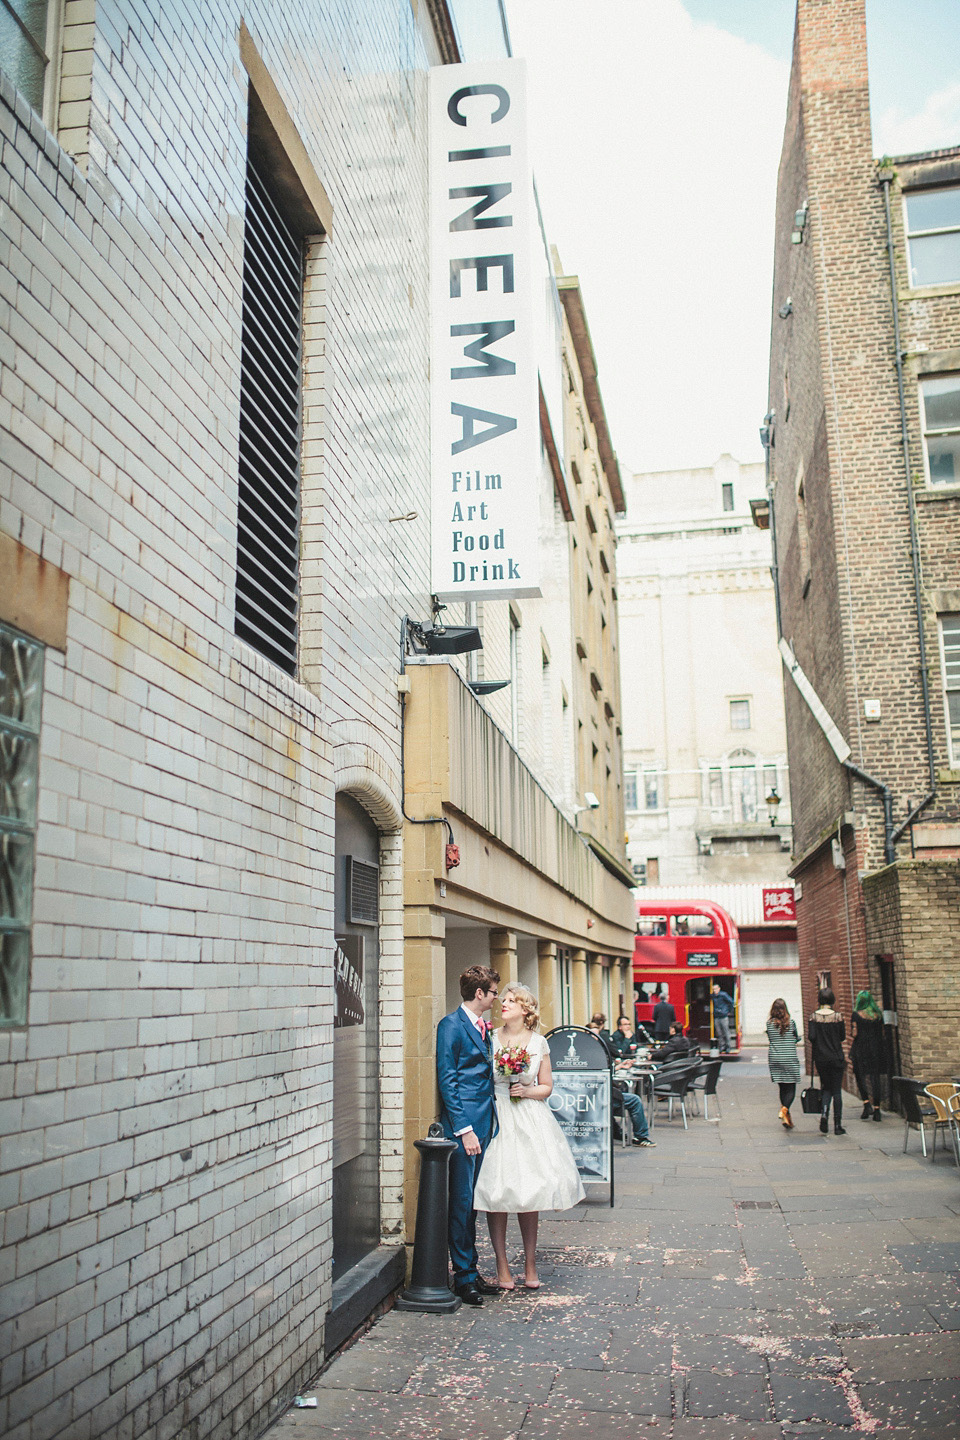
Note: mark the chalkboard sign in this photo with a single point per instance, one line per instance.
(582, 1100)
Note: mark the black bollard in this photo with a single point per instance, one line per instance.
(428, 1288)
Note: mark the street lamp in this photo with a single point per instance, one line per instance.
(773, 805)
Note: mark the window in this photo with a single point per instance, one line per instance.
(933, 236)
(652, 926)
(715, 788)
(651, 790)
(727, 491)
(743, 790)
(268, 518)
(630, 790)
(29, 39)
(739, 714)
(21, 688)
(940, 402)
(692, 925)
(950, 665)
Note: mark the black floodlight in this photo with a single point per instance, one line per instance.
(486, 687)
(442, 639)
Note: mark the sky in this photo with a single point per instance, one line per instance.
(656, 128)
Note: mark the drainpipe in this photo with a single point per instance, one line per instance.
(885, 181)
(890, 835)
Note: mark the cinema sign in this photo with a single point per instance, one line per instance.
(484, 399)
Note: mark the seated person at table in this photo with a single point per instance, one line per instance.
(629, 1102)
(677, 1045)
(623, 1041)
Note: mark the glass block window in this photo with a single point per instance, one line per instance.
(933, 236)
(26, 31)
(21, 689)
(940, 397)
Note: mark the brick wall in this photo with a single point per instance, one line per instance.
(855, 627)
(913, 914)
(165, 1150)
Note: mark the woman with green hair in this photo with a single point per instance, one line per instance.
(866, 1052)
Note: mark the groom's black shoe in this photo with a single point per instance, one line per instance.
(469, 1293)
(485, 1287)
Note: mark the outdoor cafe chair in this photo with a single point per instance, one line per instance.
(941, 1092)
(953, 1105)
(673, 1087)
(706, 1083)
(914, 1112)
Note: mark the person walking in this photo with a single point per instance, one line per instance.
(867, 1052)
(783, 1039)
(664, 1016)
(723, 1011)
(468, 1115)
(826, 1032)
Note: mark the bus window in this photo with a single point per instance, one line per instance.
(692, 925)
(652, 925)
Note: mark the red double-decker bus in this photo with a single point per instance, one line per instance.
(682, 947)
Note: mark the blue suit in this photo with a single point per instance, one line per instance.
(465, 1077)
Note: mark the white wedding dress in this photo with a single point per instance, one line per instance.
(528, 1164)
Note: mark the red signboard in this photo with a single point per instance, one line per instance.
(778, 904)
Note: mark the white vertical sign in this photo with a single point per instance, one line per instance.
(484, 399)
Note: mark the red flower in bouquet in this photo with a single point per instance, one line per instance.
(511, 1062)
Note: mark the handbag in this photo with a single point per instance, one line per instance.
(810, 1100)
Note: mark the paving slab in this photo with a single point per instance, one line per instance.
(749, 1284)
(743, 1396)
(901, 1358)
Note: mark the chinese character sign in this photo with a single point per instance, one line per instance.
(778, 904)
(484, 401)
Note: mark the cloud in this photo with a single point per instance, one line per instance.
(935, 127)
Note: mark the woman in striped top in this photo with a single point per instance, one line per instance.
(784, 1066)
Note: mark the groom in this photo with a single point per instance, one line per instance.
(468, 1115)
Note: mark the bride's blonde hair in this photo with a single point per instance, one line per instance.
(528, 1003)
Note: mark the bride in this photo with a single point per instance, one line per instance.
(528, 1166)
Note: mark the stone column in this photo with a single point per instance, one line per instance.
(626, 985)
(581, 994)
(424, 994)
(596, 986)
(548, 984)
(503, 959)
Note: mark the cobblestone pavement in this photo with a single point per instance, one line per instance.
(749, 1285)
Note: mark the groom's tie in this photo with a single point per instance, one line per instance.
(484, 1029)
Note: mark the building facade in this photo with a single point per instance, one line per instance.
(863, 430)
(541, 890)
(223, 946)
(704, 733)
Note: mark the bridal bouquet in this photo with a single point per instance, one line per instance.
(511, 1063)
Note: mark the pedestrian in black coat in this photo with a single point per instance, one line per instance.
(826, 1032)
(664, 1016)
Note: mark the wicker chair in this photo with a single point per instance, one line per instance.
(941, 1093)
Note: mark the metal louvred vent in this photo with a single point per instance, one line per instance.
(363, 888)
(268, 519)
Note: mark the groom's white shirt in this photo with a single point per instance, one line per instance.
(475, 1022)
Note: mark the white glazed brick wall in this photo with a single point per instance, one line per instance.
(165, 1117)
